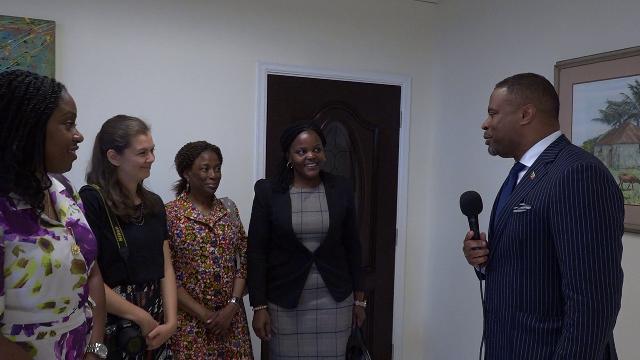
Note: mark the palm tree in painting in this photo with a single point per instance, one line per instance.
(631, 103)
(617, 112)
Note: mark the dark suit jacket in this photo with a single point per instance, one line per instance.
(554, 275)
(278, 263)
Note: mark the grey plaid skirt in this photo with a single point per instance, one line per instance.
(317, 329)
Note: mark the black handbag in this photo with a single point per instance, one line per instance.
(356, 350)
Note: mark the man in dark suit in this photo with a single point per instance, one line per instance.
(552, 262)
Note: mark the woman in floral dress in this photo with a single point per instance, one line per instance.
(209, 243)
(47, 250)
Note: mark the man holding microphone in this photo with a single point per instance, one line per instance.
(552, 260)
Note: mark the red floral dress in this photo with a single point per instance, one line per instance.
(209, 253)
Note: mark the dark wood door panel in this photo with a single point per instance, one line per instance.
(362, 124)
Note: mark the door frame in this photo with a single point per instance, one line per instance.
(263, 70)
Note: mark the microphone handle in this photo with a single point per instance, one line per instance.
(473, 226)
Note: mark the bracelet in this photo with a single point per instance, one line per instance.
(261, 307)
(362, 304)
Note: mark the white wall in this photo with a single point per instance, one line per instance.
(189, 68)
(480, 43)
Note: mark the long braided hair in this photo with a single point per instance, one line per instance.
(27, 101)
(185, 158)
(285, 172)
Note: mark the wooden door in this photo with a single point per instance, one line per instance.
(361, 122)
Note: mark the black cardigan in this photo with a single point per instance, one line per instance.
(279, 263)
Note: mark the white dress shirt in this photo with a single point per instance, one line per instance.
(534, 152)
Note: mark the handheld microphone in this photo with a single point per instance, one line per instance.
(471, 206)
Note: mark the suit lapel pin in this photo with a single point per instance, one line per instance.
(533, 175)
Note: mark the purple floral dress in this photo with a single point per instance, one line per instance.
(44, 294)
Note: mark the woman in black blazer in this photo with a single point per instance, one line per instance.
(304, 276)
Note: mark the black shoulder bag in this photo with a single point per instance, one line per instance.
(356, 350)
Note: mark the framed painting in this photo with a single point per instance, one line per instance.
(27, 44)
(600, 111)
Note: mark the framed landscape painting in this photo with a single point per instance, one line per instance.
(27, 44)
(600, 112)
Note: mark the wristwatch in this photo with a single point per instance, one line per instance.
(236, 300)
(100, 350)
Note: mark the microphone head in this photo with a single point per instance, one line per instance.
(470, 203)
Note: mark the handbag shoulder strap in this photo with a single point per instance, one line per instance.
(231, 208)
(115, 225)
(233, 214)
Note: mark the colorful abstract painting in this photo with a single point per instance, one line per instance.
(27, 44)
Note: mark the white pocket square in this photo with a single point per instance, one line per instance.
(522, 207)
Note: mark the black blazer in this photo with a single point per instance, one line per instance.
(279, 263)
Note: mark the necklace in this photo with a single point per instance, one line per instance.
(139, 219)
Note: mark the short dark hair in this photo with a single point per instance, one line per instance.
(185, 158)
(285, 173)
(530, 88)
(27, 101)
